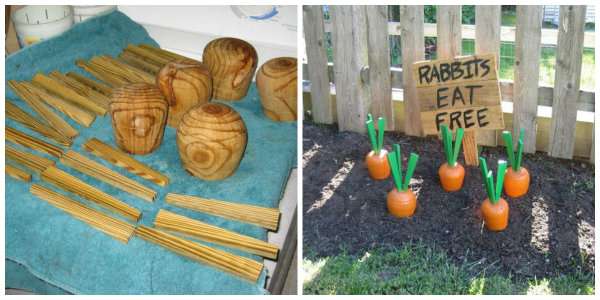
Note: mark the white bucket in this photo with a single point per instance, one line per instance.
(84, 12)
(34, 23)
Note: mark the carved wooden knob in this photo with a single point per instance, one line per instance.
(184, 84)
(232, 63)
(211, 139)
(276, 81)
(139, 114)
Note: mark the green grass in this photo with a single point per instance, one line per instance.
(418, 269)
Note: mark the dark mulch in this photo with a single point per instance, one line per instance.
(551, 229)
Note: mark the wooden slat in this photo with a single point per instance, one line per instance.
(14, 112)
(527, 71)
(67, 93)
(96, 85)
(413, 50)
(351, 60)
(379, 64)
(569, 52)
(449, 41)
(487, 40)
(322, 111)
(17, 173)
(31, 161)
(18, 137)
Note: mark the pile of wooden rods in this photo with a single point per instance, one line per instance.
(261, 216)
(23, 139)
(33, 162)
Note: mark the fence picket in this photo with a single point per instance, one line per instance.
(527, 73)
(487, 40)
(569, 52)
(379, 64)
(413, 50)
(350, 57)
(316, 55)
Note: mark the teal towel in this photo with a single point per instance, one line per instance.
(68, 255)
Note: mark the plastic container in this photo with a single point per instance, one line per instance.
(84, 12)
(34, 23)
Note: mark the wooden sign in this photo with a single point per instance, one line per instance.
(461, 93)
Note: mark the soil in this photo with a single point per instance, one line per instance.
(551, 229)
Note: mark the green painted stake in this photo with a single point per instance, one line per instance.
(520, 150)
(398, 159)
(515, 160)
(395, 173)
(490, 187)
(500, 178)
(371, 132)
(381, 125)
(412, 164)
(447, 143)
(459, 136)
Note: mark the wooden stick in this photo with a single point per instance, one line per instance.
(108, 78)
(197, 229)
(16, 113)
(257, 215)
(75, 185)
(240, 266)
(33, 162)
(73, 111)
(67, 93)
(121, 159)
(82, 89)
(17, 173)
(37, 104)
(131, 73)
(100, 172)
(147, 55)
(93, 84)
(139, 62)
(18, 137)
(114, 227)
(469, 143)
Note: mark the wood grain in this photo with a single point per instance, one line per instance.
(121, 159)
(13, 112)
(96, 85)
(70, 183)
(17, 173)
(64, 91)
(569, 53)
(139, 115)
(115, 228)
(411, 23)
(314, 35)
(211, 139)
(31, 161)
(197, 229)
(276, 81)
(237, 265)
(148, 55)
(184, 84)
(25, 140)
(114, 68)
(139, 62)
(232, 63)
(252, 214)
(82, 89)
(98, 171)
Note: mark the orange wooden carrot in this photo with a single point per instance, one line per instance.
(376, 159)
(401, 201)
(516, 183)
(452, 173)
(494, 209)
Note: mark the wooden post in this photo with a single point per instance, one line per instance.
(449, 45)
(413, 50)
(380, 80)
(314, 35)
(350, 66)
(569, 52)
(487, 40)
(527, 71)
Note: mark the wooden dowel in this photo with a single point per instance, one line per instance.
(70, 109)
(75, 185)
(33, 162)
(112, 81)
(236, 265)
(129, 73)
(18, 137)
(121, 159)
(140, 63)
(95, 85)
(197, 229)
(147, 55)
(100, 172)
(115, 228)
(17, 173)
(261, 216)
(67, 93)
(15, 113)
(82, 89)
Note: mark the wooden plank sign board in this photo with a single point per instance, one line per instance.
(462, 93)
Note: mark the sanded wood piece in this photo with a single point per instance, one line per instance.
(276, 81)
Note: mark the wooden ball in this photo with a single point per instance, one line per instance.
(276, 81)
(139, 114)
(184, 84)
(211, 139)
(232, 63)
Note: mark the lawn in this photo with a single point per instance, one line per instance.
(418, 269)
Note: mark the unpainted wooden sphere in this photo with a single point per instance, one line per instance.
(211, 139)
(184, 83)
(139, 114)
(232, 63)
(276, 81)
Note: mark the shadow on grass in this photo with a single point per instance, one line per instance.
(419, 269)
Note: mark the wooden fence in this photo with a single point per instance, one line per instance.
(557, 119)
